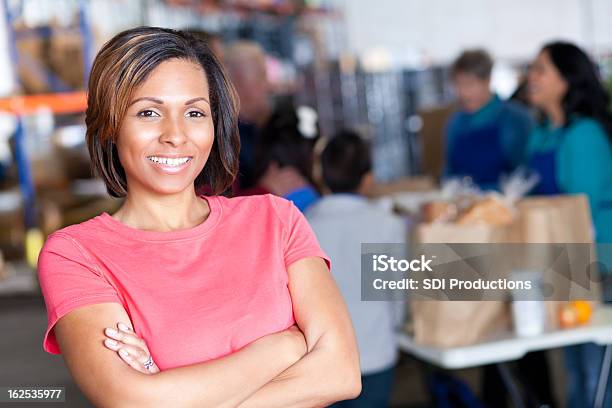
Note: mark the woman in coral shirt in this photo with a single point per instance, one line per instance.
(178, 299)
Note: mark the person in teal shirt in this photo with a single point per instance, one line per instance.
(576, 158)
(571, 151)
(487, 137)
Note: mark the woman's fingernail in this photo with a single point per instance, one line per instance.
(124, 353)
(123, 327)
(111, 343)
(112, 332)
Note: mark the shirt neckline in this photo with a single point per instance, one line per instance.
(486, 112)
(198, 231)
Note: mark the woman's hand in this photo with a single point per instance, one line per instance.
(134, 351)
(130, 348)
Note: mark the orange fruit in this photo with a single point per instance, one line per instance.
(584, 311)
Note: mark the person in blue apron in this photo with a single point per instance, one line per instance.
(571, 150)
(486, 139)
(487, 136)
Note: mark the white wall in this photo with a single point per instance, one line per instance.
(436, 30)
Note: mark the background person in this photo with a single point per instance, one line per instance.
(572, 152)
(487, 137)
(284, 156)
(246, 64)
(213, 40)
(343, 220)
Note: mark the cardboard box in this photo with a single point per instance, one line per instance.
(61, 54)
(433, 139)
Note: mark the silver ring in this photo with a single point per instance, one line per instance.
(148, 364)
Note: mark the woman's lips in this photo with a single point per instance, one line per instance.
(170, 165)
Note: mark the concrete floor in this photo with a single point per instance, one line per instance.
(24, 363)
(22, 360)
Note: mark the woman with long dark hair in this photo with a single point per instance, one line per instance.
(571, 150)
(285, 154)
(576, 125)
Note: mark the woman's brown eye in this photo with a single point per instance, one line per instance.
(195, 114)
(147, 113)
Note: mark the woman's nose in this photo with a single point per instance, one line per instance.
(173, 132)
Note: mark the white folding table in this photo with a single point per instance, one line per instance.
(507, 347)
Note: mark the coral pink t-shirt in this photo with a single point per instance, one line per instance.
(193, 295)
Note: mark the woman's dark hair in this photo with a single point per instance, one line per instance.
(120, 67)
(281, 141)
(344, 162)
(586, 95)
(206, 36)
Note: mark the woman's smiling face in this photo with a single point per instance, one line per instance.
(546, 85)
(167, 133)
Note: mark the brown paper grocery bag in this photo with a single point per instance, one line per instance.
(555, 219)
(458, 323)
(558, 219)
(442, 233)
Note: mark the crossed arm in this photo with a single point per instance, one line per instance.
(329, 371)
(275, 370)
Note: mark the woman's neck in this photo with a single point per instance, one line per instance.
(556, 115)
(149, 212)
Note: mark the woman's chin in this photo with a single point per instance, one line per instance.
(171, 188)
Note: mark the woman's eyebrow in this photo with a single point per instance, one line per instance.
(147, 98)
(194, 100)
(160, 102)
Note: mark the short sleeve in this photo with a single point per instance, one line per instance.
(586, 138)
(299, 240)
(68, 280)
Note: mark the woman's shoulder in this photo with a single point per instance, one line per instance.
(73, 233)
(586, 132)
(587, 144)
(257, 203)
(585, 126)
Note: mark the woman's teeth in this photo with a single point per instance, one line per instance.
(167, 161)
